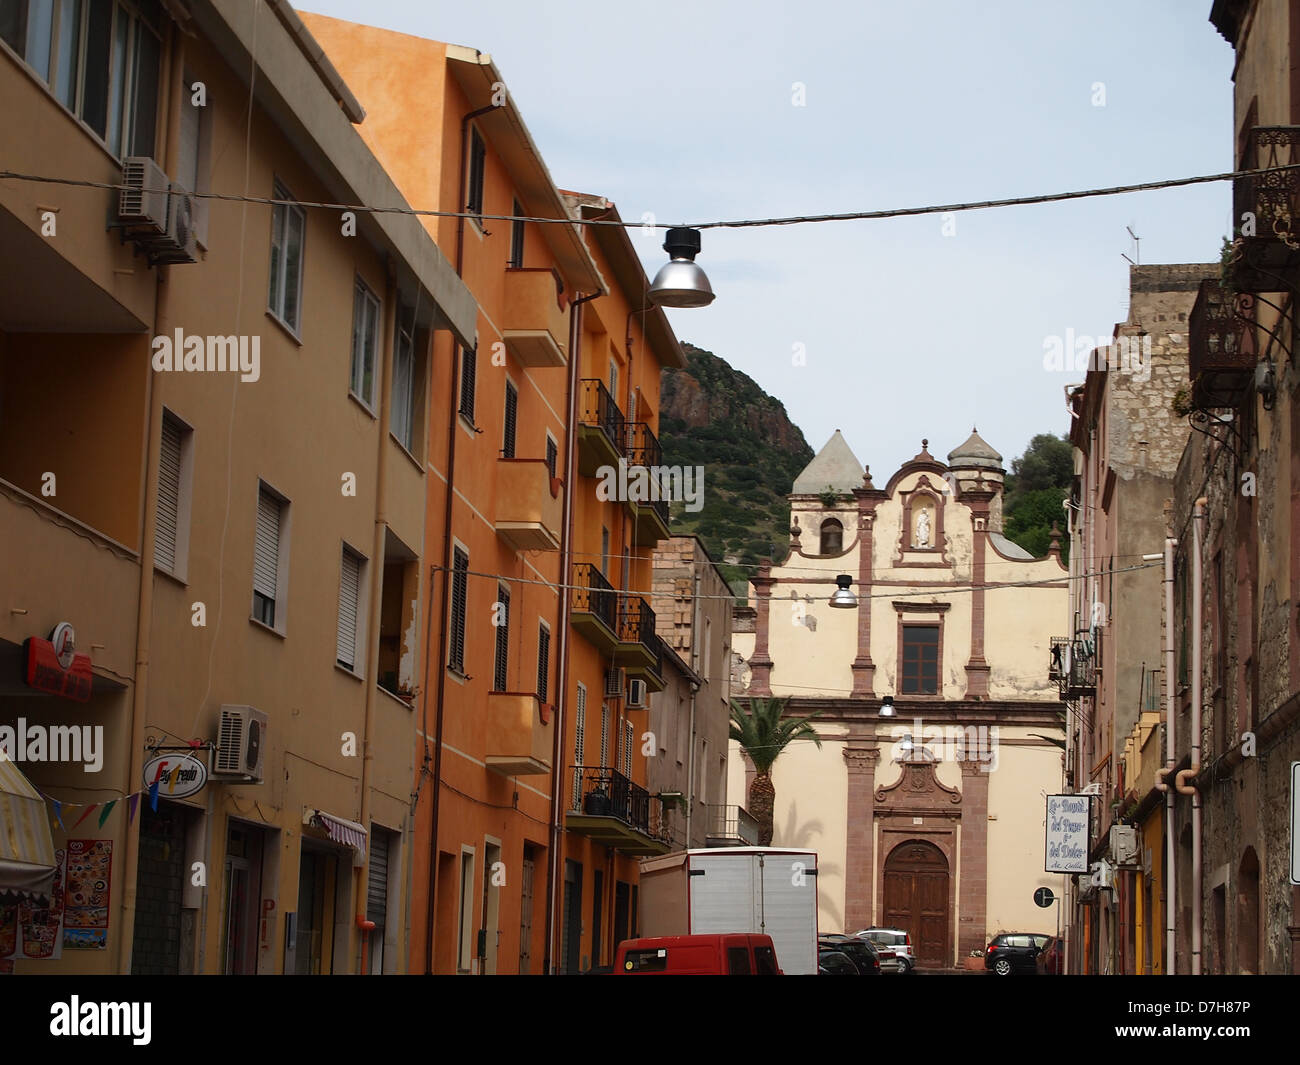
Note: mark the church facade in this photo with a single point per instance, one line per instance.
(931, 819)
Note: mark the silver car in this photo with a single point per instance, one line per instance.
(895, 939)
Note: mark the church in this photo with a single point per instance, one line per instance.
(941, 732)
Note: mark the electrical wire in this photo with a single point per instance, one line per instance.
(743, 223)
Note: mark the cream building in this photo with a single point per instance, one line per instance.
(932, 820)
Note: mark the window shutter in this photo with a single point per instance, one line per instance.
(468, 370)
(552, 454)
(377, 882)
(629, 737)
(499, 673)
(169, 495)
(459, 577)
(349, 599)
(604, 735)
(266, 546)
(512, 411)
(543, 663)
(579, 744)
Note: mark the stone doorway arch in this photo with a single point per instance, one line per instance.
(917, 899)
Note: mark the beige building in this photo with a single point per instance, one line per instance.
(909, 815)
(237, 549)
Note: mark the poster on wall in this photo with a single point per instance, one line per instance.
(1069, 829)
(32, 932)
(85, 912)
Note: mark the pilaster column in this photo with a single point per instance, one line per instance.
(977, 668)
(972, 887)
(860, 871)
(760, 663)
(864, 669)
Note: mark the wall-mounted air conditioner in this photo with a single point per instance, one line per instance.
(143, 202)
(613, 684)
(180, 245)
(1124, 844)
(241, 744)
(636, 694)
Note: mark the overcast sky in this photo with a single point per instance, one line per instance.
(687, 109)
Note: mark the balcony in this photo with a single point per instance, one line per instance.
(595, 611)
(1221, 347)
(1074, 665)
(529, 506)
(640, 650)
(649, 514)
(534, 325)
(611, 810)
(519, 734)
(1268, 254)
(601, 429)
(729, 826)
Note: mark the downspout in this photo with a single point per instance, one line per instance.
(453, 417)
(562, 650)
(695, 665)
(379, 544)
(1171, 759)
(1185, 776)
(170, 121)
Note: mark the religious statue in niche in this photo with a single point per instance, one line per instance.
(921, 529)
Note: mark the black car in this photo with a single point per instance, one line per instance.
(833, 963)
(1014, 952)
(861, 952)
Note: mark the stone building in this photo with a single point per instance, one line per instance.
(909, 814)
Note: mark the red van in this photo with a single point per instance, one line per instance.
(703, 955)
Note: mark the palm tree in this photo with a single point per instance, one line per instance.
(763, 733)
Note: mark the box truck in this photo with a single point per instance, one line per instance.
(761, 890)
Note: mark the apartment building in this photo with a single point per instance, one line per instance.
(213, 470)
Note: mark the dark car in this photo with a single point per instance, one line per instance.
(862, 953)
(1014, 952)
(1051, 959)
(833, 963)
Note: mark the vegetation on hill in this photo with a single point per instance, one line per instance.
(1039, 480)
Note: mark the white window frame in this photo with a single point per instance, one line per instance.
(277, 283)
(359, 625)
(282, 559)
(202, 181)
(179, 567)
(468, 890)
(402, 416)
(363, 298)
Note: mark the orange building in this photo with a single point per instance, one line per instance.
(518, 867)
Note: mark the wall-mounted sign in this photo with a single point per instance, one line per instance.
(1069, 828)
(53, 666)
(177, 775)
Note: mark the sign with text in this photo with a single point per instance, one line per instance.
(1069, 828)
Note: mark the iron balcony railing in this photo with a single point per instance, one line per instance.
(732, 826)
(636, 624)
(643, 449)
(1221, 350)
(1271, 201)
(593, 594)
(600, 410)
(1074, 664)
(602, 792)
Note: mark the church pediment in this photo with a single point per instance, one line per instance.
(918, 786)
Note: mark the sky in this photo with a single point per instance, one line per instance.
(898, 329)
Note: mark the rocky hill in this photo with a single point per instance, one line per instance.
(714, 416)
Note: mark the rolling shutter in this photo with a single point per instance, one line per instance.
(349, 600)
(169, 495)
(377, 884)
(266, 546)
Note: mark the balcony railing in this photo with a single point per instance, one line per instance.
(614, 810)
(643, 449)
(729, 826)
(1074, 665)
(1221, 346)
(595, 606)
(1266, 210)
(639, 644)
(602, 429)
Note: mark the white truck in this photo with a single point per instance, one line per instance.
(763, 890)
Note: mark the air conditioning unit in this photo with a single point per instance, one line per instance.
(1124, 844)
(636, 694)
(144, 201)
(180, 244)
(613, 684)
(241, 744)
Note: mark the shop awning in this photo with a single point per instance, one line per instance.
(26, 847)
(340, 830)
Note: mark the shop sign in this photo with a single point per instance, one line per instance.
(54, 667)
(177, 775)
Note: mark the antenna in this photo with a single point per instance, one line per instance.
(1136, 260)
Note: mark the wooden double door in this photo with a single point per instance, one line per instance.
(917, 899)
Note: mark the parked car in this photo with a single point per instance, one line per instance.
(896, 939)
(1014, 952)
(700, 955)
(1051, 959)
(862, 952)
(834, 963)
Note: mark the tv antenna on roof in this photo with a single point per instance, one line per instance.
(1136, 260)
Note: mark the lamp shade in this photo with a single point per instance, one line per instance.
(680, 282)
(842, 598)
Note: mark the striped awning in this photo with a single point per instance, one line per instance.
(26, 847)
(340, 830)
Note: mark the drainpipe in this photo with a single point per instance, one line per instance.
(1171, 759)
(391, 323)
(549, 964)
(1183, 779)
(695, 665)
(453, 417)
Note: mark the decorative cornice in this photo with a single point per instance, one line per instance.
(918, 780)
